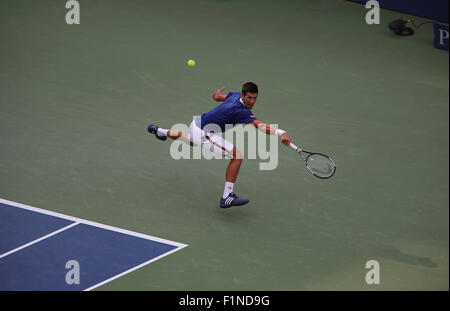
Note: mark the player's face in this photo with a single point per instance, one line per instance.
(249, 99)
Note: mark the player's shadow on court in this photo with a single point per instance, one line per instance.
(233, 214)
(393, 253)
(236, 214)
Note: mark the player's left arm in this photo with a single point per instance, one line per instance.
(271, 130)
(218, 96)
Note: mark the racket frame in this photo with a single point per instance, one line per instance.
(305, 159)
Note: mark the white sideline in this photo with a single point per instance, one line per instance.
(92, 223)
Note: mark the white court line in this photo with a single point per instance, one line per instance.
(92, 223)
(38, 240)
(99, 225)
(131, 270)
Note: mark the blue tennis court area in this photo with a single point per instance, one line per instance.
(42, 250)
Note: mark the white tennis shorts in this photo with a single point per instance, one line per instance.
(209, 141)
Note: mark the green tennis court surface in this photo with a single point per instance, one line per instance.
(76, 100)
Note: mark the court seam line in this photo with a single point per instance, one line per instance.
(38, 240)
(92, 223)
(131, 270)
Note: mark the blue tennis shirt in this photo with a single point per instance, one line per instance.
(232, 111)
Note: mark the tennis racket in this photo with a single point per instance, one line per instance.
(319, 164)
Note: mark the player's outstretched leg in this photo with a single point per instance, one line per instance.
(229, 198)
(162, 134)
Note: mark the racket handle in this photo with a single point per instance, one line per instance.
(294, 147)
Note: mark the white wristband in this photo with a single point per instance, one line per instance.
(279, 132)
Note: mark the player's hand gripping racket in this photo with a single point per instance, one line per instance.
(319, 164)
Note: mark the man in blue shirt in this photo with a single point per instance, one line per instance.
(235, 109)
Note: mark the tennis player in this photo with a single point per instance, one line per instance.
(234, 109)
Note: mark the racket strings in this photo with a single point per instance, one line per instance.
(320, 165)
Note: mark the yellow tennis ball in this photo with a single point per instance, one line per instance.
(191, 63)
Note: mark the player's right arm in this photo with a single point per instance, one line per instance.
(271, 130)
(218, 96)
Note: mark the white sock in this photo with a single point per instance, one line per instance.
(161, 132)
(228, 189)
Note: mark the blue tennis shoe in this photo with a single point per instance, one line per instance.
(232, 200)
(153, 129)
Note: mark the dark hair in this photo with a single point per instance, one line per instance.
(249, 87)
